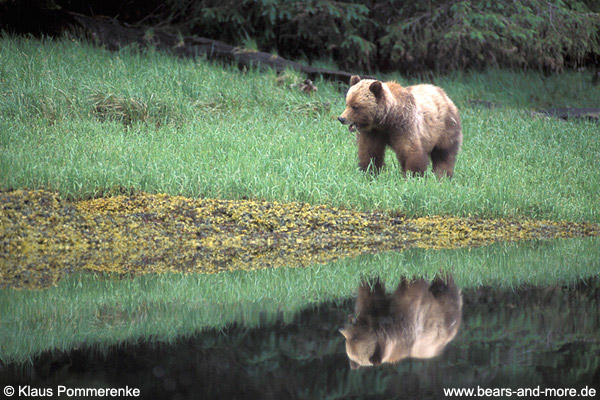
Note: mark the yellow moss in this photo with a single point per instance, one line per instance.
(43, 237)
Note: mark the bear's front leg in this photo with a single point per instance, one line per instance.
(414, 162)
(371, 149)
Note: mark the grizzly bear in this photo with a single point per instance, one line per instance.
(418, 320)
(418, 122)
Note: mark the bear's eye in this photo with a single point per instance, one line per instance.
(355, 108)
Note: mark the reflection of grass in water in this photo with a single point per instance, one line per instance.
(84, 309)
(45, 237)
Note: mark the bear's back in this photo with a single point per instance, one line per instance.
(433, 99)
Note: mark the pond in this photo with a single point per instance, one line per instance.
(496, 335)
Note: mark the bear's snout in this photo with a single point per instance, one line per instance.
(342, 120)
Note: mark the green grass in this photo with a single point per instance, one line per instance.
(523, 90)
(87, 122)
(86, 309)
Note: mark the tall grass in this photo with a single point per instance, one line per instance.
(87, 122)
(85, 309)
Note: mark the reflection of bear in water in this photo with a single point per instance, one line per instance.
(418, 320)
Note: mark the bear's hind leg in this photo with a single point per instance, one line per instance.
(443, 161)
(371, 148)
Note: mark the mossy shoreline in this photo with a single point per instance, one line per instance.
(43, 237)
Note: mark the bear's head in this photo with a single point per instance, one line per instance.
(362, 345)
(367, 103)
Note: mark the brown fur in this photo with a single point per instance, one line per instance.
(418, 122)
(418, 320)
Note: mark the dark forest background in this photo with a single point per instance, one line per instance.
(367, 35)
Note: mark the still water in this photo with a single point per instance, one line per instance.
(484, 338)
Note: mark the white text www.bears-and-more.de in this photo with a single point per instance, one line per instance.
(521, 392)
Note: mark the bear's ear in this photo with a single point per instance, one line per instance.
(377, 88)
(354, 80)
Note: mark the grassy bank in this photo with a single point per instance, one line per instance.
(83, 309)
(87, 122)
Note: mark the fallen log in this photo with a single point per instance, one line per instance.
(592, 114)
(116, 35)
